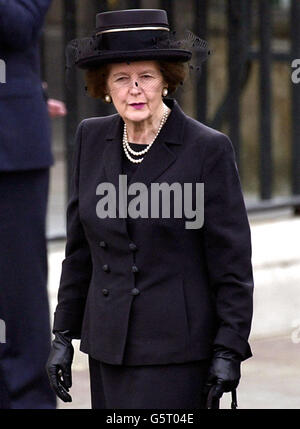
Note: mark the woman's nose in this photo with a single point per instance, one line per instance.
(134, 86)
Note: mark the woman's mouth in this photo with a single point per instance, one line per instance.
(137, 105)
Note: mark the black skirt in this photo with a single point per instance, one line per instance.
(171, 386)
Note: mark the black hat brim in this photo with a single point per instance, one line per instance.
(123, 56)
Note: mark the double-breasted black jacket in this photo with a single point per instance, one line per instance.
(165, 294)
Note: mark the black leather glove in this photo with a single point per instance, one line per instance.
(59, 364)
(224, 374)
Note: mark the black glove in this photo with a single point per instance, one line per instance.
(59, 364)
(224, 374)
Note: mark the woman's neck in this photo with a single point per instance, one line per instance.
(144, 132)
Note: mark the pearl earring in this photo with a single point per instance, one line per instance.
(165, 92)
(107, 98)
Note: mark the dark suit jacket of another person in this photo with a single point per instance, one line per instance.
(24, 120)
(166, 294)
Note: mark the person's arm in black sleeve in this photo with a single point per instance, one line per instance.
(21, 21)
(227, 242)
(77, 265)
(73, 289)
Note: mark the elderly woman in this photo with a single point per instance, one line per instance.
(162, 305)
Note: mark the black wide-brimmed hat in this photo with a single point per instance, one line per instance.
(133, 35)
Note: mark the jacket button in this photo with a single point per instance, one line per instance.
(103, 244)
(132, 247)
(105, 291)
(106, 268)
(135, 269)
(135, 291)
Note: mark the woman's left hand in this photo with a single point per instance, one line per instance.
(224, 373)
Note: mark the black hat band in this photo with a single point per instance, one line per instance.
(147, 39)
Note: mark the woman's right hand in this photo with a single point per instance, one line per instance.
(59, 364)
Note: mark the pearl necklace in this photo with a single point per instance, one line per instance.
(128, 149)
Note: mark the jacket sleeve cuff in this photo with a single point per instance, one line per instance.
(232, 340)
(64, 320)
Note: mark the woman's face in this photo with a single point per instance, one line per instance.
(136, 89)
